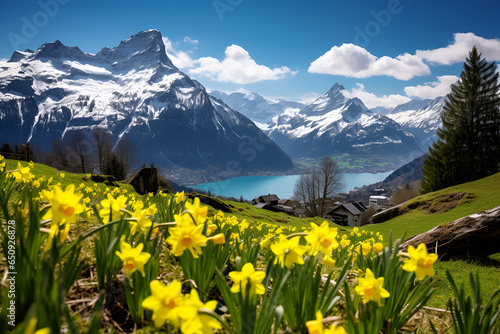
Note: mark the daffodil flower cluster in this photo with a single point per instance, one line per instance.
(169, 305)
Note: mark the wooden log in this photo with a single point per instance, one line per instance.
(477, 235)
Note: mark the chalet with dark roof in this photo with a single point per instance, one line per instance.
(271, 200)
(346, 214)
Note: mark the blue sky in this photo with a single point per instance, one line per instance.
(294, 49)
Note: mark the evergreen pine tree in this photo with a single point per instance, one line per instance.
(468, 145)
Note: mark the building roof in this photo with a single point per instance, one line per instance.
(378, 197)
(355, 208)
(270, 197)
(261, 205)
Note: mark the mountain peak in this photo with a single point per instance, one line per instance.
(335, 89)
(145, 47)
(58, 50)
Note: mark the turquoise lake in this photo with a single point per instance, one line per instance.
(253, 186)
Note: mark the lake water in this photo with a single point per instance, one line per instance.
(253, 186)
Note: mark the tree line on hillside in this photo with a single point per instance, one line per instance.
(468, 145)
(20, 152)
(94, 151)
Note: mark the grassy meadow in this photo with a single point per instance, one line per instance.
(97, 258)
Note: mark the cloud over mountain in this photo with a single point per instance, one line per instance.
(459, 49)
(354, 61)
(237, 67)
(434, 89)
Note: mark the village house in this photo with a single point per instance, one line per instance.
(273, 203)
(346, 214)
(271, 200)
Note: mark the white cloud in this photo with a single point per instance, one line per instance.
(459, 49)
(371, 100)
(434, 89)
(237, 67)
(181, 59)
(354, 61)
(188, 40)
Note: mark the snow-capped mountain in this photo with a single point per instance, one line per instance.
(421, 118)
(336, 124)
(259, 109)
(136, 92)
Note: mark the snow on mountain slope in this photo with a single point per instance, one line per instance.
(259, 109)
(135, 92)
(336, 124)
(422, 118)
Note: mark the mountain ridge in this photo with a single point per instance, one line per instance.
(136, 92)
(336, 124)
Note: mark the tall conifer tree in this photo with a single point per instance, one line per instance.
(468, 145)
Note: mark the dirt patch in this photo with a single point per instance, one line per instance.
(437, 205)
(444, 203)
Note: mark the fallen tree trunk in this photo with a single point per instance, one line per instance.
(477, 235)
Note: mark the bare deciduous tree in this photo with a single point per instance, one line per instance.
(126, 153)
(59, 151)
(408, 191)
(82, 147)
(103, 143)
(314, 188)
(365, 217)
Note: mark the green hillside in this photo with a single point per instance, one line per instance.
(440, 207)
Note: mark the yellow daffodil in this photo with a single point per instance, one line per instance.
(192, 322)
(22, 174)
(370, 288)
(141, 224)
(198, 212)
(165, 302)
(316, 326)
(31, 328)
(64, 205)
(180, 197)
(133, 258)
(288, 251)
(344, 242)
(111, 208)
(218, 239)
(57, 229)
(378, 247)
(246, 276)
(151, 210)
(211, 227)
(266, 242)
(62, 175)
(186, 235)
(322, 238)
(366, 248)
(420, 262)
(327, 260)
